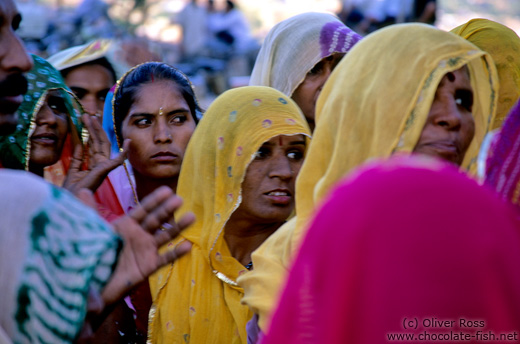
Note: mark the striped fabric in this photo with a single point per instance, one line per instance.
(62, 250)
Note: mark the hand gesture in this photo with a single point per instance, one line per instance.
(143, 234)
(98, 159)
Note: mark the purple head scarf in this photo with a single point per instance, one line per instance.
(294, 46)
(503, 162)
(336, 37)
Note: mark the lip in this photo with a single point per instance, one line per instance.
(279, 196)
(165, 156)
(46, 138)
(448, 149)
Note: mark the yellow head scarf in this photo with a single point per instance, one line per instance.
(197, 298)
(503, 44)
(374, 104)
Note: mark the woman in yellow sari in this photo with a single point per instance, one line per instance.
(238, 178)
(503, 44)
(380, 100)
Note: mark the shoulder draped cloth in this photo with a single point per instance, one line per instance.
(196, 299)
(53, 249)
(374, 104)
(376, 254)
(503, 44)
(15, 149)
(293, 46)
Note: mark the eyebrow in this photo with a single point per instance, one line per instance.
(103, 91)
(81, 89)
(78, 89)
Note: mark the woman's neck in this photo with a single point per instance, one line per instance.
(146, 185)
(243, 238)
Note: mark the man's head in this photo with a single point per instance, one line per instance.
(14, 61)
(88, 72)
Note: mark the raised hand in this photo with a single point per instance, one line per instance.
(142, 235)
(97, 161)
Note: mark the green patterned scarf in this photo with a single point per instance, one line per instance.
(15, 148)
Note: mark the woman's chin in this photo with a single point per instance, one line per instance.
(164, 172)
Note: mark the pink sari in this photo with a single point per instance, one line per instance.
(404, 247)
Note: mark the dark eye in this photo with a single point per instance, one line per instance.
(57, 104)
(464, 98)
(79, 93)
(143, 122)
(317, 69)
(179, 119)
(101, 95)
(295, 154)
(262, 153)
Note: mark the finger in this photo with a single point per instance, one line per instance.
(103, 143)
(118, 160)
(93, 178)
(77, 158)
(95, 302)
(104, 167)
(87, 197)
(171, 255)
(162, 237)
(94, 140)
(161, 213)
(150, 202)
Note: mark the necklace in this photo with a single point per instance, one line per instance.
(134, 192)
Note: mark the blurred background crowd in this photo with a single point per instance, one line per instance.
(215, 42)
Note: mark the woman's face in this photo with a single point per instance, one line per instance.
(159, 124)
(306, 94)
(50, 133)
(269, 183)
(450, 126)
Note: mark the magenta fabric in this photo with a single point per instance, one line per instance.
(503, 162)
(400, 241)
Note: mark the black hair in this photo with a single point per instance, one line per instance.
(102, 61)
(144, 74)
